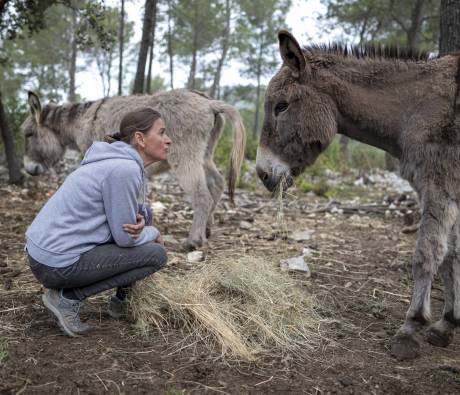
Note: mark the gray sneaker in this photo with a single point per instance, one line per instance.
(66, 311)
(117, 308)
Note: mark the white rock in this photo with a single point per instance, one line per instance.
(306, 252)
(245, 225)
(296, 264)
(158, 207)
(303, 235)
(170, 239)
(195, 256)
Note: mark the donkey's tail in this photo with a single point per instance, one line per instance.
(239, 142)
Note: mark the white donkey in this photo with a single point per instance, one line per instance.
(193, 121)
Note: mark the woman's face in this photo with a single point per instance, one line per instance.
(156, 143)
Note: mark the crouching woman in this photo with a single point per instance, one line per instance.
(93, 235)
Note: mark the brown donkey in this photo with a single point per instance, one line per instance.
(193, 121)
(407, 107)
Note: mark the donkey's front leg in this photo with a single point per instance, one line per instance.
(438, 217)
(441, 332)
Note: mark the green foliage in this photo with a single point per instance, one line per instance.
(365, 157)
(104, 49)
(198, 26)
(360, 156)
(20, 18)
(384, 21)
(17, 113)
(320, 187)
(304, 185)
(258, 25)
(3, 352)
(158, 84)
(256, 41)
(242, 97)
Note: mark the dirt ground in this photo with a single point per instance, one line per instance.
(360, 276)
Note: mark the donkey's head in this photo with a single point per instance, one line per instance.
(300, 119)
(43, 148)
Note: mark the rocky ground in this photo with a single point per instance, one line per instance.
(359, 260)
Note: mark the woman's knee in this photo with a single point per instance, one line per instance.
(158, 256)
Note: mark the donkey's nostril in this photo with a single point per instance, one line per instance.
(265, 177)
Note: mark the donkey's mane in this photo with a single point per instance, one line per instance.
(369, 51)
(53, 115)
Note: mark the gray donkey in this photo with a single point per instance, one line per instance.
(407, 107)
(193, 121)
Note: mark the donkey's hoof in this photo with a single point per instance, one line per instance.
(438, 338)
(208, 232)
(191, 245)
(404, 347)
(188, 247)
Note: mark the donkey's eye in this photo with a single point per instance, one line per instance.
(281, 107)
(29, 133)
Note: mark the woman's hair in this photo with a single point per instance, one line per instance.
(139, 120)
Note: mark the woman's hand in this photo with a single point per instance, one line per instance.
(160, 240)
(135, 229)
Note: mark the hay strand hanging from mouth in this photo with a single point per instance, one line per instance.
(240, 308)
(279, 194)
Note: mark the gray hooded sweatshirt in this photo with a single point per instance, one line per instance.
(91, 206)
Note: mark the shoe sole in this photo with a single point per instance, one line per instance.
(58, 315)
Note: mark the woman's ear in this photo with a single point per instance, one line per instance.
(139, 139)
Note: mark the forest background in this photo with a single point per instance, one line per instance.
(47, 46)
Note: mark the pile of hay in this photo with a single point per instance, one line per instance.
(242, 308)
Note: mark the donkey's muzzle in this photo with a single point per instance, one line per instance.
(33, 168)
(274, 181)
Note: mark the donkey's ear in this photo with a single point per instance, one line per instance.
(292, 53)
(34, 106)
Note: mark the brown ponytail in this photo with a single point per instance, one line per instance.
(135, 121)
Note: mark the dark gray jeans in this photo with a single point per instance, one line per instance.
(104, 267)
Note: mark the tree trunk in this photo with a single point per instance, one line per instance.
(170, 49)
(149, 13)
(14, 166)
(121, 37)
(73, 60)
(148, 87)
(413, 33)
(192, 75)
(449, 32)
(215, 89)
(255, 130)
(109, 73)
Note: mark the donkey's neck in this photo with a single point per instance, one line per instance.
(376, 100)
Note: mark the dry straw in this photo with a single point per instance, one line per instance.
(242, 308)
(279, 193)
